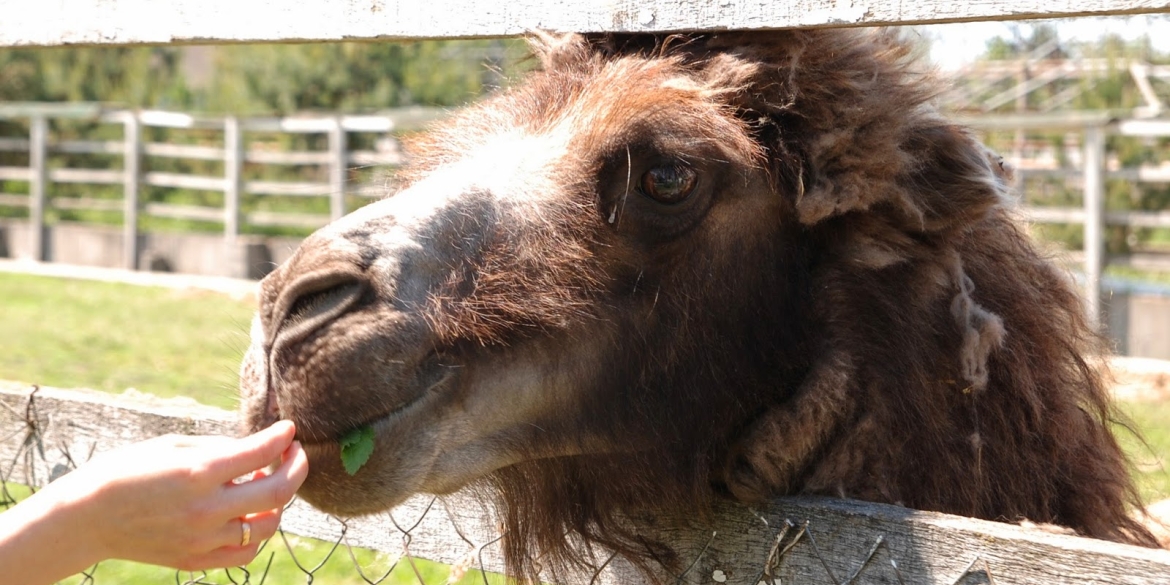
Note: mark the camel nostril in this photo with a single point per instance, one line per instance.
(312, 301)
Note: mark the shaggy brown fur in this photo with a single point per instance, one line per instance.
(844, 307)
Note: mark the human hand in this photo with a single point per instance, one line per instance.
(171, 500)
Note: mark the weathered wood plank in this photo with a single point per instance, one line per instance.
(1151, 219)
(1142, 174)
(797, 540)
(167, 150)
(236, 288)
(13, 144)
(234, 147)
(287, 219)
(104, 22)
(91, 176)
(87, 204)
(306, 157)
(371, 158)
(298, 189)
(161, 119)
(187, 212)
(1094, 202)
(38, 181)
(15, 174)
(181, 181)
(131, 188)
(87, 147)
(13, 200)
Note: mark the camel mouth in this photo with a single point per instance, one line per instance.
(432, 377)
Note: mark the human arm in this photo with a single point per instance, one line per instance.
(167, 501)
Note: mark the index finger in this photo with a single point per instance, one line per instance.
(253, 452)
(272, 491)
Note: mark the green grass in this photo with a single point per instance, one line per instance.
(338, 569)
(1150, 452)
(74, 334)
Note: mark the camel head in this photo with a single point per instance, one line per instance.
(663, 270)
(537, 291)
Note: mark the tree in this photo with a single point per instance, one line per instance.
(350, 77)
(136, 77)
(1112, 88)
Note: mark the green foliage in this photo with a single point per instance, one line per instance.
(136, 77)
(350, 77)
(356, 448)
(264, 79)
(999, 48)
(1111, 90)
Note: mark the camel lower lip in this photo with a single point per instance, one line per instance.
(383, 421)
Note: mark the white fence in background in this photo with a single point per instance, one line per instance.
(233, 150)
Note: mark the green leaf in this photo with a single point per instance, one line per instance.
(356, 448)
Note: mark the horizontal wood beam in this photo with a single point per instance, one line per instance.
(128, 22)
(800, 540)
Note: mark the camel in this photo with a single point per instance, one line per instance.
(668, 270)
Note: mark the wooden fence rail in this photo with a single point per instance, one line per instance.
(816, 541)
(232, 21)
(234, 153)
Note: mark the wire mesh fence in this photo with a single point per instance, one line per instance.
(41, 452)
(44, 433)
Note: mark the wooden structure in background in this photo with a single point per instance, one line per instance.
(234, 154)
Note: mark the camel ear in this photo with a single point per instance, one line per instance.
(933, 178)
(558, 50)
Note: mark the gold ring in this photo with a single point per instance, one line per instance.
(247, 530)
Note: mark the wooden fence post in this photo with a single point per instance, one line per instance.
(233, 167)
(338, 165)
(1094, 200)
(38, 182)
(131, 184)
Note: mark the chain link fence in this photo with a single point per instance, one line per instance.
(44, 433)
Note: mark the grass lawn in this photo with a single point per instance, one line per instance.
(79, 334)
(1150, 453)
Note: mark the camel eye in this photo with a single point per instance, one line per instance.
(669, 184)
